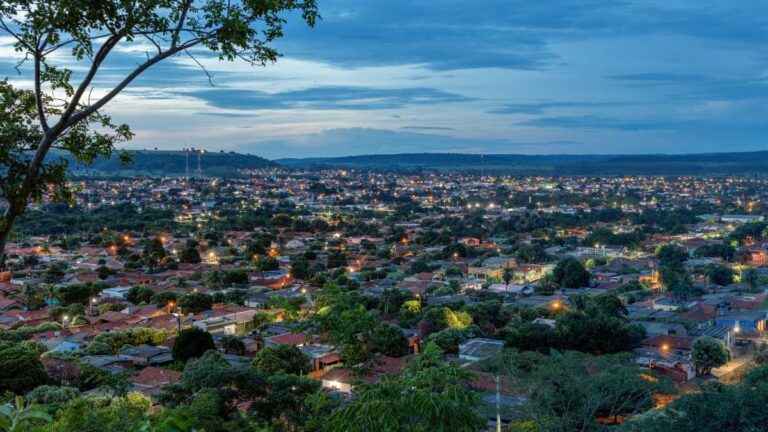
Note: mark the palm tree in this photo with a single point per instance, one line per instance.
(19, 416)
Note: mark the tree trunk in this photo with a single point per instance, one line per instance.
(6, 224)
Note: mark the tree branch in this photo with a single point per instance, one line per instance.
(182, 19)
(100, 56)
(38, 90)
(128, 79)
(200, 65)
(18, 38)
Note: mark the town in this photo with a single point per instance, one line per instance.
(293, 298)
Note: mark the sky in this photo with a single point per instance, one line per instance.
(483, 76)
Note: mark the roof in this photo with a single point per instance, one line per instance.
(288, 339)
(480, 347)
(154, 376)
(701, 312)
(673, 342)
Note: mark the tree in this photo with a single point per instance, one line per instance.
(671, 255)
(195, 302)
(164, 298)
(388, 340)
(233, 345)
(34, 122)
(572, 391)
(287, 403)
(212, 373)
(140, 294)
(192, 343)
(449, 339)
(718, 407)
(719, 275)
(190, 253)
(507, 276)
(20, 416)
(300, 268)
(708, 353)
(570, 273)
(392, 299)
(677, 281)
(20, 368)
(430, 395)
(751, 278)
(118, 414)
(281, 359)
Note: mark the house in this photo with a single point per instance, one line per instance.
(743, 322)
(667, 355)
(151, 380)
(113, 364)
(657, 328)
(144, 355)
(230, 323)
(292, 339)
(118, 293)
(342, 380)
(322, 356)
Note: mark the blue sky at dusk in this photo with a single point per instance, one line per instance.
(493, 76)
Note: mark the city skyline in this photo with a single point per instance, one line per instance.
(568, 77)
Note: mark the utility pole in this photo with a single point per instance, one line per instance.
(200, 162)
(186, 170)
(498, 404)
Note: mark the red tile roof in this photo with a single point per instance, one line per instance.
(289, 339)
(155, 376)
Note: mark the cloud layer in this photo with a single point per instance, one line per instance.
(508, 76)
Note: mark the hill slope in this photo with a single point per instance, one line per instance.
(147, 162)
(655, 164)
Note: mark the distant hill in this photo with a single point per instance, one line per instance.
(654, 164)
(158, 162)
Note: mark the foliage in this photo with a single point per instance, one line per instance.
(93, 414)
(233, 345)
(112, 342)
(212, 372)
(192, 343)
(388, 340)
(429, 396)
(195, 302)
(20, 416)
(570, 391)
(717, 408)
(140, 294)
(719, 274)
(91, 32)
(20, 368)
(708, 353)
(286, 404)
(570, 273)
(281, 359)
(719, 250)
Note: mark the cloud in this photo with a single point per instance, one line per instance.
(428, 128)
(596, 122)
(541, 107)
(507, 34)
(361, 141)
(325, 98)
